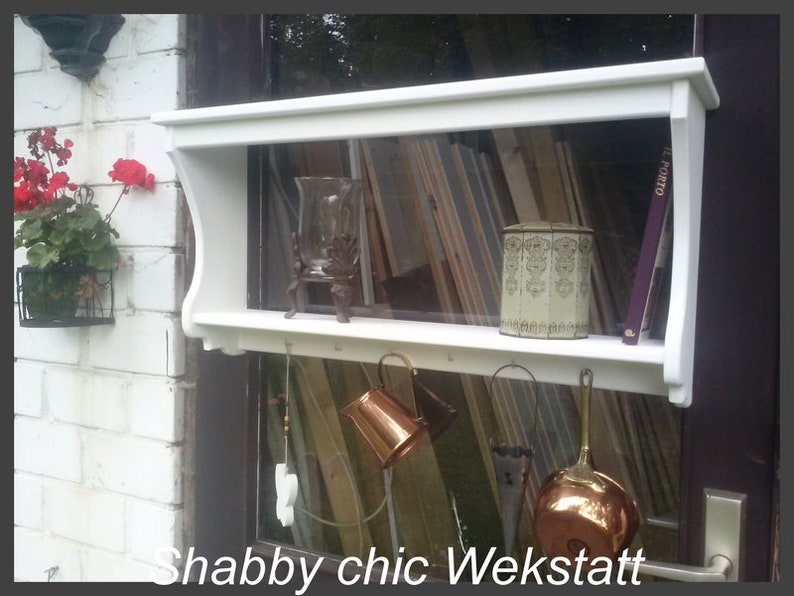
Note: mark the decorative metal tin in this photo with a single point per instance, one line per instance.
(546, 280)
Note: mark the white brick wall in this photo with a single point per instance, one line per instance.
(28, 501)
(48, 448)
(99, 415)
(74, 512)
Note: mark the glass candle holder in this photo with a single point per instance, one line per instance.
(326, 245)
(329, 209)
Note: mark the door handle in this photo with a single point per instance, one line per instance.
(723, 537)
(719, 570)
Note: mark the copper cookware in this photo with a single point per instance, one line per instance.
(579, 508)
(390, 428)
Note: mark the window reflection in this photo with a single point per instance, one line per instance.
(434, 210)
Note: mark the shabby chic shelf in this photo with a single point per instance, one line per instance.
(208, 147)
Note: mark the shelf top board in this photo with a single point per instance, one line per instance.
(578, 95)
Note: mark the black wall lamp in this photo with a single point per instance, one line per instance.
(77, 41)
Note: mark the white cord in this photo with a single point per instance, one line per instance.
(286, 408)
(387, 481)
(387, 478)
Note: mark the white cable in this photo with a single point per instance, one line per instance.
(348, 472)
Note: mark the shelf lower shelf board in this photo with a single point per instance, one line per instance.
(437, 346)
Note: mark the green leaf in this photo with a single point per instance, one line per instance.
(59, 237)
(85, 217)
(105, 258)
(31, 230)
(67, 231)
(95, 243)
(40, 255)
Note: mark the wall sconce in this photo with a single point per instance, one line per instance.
(326, 245)
(77, 41)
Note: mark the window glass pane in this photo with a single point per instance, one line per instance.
(451, 491)
(315, 54)
(431, 249)
(434, 207)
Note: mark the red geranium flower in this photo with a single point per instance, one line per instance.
(36, 173)
(131, 173)
(59, 219)
(26, 197)
(59, 181)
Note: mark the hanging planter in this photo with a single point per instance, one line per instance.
(77, 41)
(70, 246)
(64, 296)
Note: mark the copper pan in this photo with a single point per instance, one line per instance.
(579, 508)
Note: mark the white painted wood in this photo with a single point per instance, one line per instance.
(208, 146)
(439, 346)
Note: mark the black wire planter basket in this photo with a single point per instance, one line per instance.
(64, 296)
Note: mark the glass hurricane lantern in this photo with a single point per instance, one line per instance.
(326, 245)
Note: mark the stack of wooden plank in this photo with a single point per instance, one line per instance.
(435, 207)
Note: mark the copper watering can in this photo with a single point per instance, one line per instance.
(388, 426)
(578, 508)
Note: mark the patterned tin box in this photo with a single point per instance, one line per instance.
(546, 280)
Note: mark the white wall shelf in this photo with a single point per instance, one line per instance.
(208, 147)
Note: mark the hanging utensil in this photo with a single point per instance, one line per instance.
(579, 508)
(286, 483)
(511, 466)
(430, 407)
(387, 425)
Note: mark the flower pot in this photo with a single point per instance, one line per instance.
(78, 41)
(63, 296)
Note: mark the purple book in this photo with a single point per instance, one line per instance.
(653, 254)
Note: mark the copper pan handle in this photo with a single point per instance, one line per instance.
(586, 383)
(582, 472)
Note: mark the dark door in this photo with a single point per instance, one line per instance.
(730, 433)
(728, 436)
